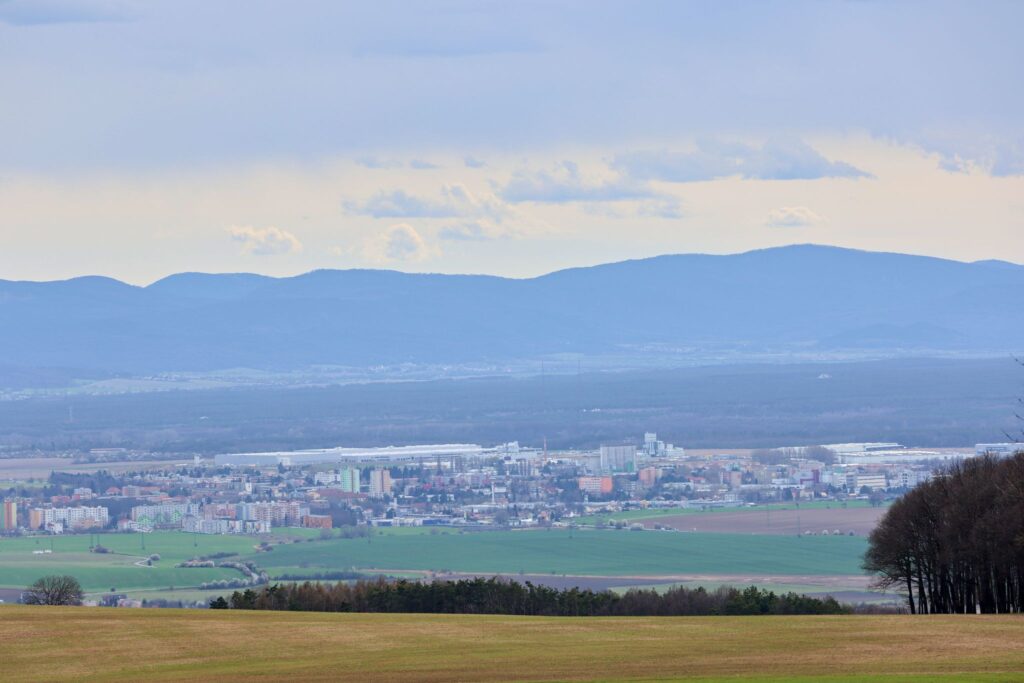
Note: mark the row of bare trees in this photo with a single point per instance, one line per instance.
(956, 543)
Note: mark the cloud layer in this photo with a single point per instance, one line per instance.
(401, 204)
(565, 183)
(400, 243)
(793, 217)
(268, 241)
(714, 159)
(480, 216)
(393, 79)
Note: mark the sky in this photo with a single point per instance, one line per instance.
(139, 139)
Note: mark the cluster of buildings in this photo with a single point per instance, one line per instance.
(465, 484)
(57, 519)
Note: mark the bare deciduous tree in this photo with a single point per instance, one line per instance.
(54, 590)
(954, 544)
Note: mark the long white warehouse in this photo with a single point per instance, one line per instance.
(386, 454)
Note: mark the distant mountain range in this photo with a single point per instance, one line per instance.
(806, 301)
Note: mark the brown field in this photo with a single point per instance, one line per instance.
(97, 644)
(859, 520)
(18, 469)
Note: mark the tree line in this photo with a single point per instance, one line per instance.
(956, 543)
(503, 596)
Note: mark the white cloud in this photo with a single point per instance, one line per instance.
(454, 200)
(600, 192)
(475, 231)
(265, 241)
(471, 203)
(481, 216)
(385, 163)
(913, 206)
(398, 243)
(378, 163)
(474, 218)
(667, 207)
(1000, 157)
(401, 204)
(564, 183)
(713, 159)
(793, 217)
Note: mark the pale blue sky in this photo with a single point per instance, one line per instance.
(142, 138)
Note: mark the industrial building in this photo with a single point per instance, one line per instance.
(387, 455)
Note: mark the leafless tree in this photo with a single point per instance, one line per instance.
(953, 544)
(54, 590)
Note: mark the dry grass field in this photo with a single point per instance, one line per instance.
(96, 644)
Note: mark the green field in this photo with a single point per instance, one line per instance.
(103, 572)
(606, 553)
(579, 552)
(117, 569)
(96, 644)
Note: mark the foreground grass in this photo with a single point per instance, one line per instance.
(123, 645)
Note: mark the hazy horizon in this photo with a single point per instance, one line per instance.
(384, 268)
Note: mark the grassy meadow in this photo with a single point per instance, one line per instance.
(97, 644)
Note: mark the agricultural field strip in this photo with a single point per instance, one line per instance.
(654, 513)
(858, 521)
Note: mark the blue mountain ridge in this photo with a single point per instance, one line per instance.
(798, 297)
